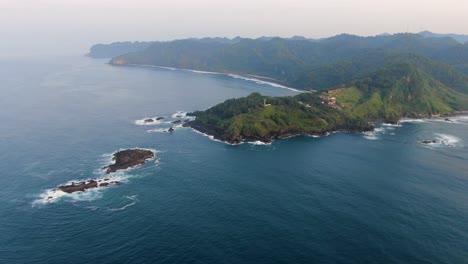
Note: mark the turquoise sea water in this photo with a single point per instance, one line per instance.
(346, 198)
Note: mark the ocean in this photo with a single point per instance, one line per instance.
(381, 197)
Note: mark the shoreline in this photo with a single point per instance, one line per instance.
(320, 135)
(248, 77)
(270, 141)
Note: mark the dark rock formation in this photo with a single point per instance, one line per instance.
(429, 141)
(171, 130)
(79, 187)
(176, 122)
(83, 186)
(128, 158)
(159, 118)
(149, 120)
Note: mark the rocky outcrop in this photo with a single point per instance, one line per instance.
(128, 158)
(85, 185)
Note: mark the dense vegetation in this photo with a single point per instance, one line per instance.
(248, 118)
(117, 48)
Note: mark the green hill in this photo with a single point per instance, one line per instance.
(399, 89)
(250, 119)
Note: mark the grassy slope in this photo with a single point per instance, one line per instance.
(400, 90)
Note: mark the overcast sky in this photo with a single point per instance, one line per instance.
(71, 26)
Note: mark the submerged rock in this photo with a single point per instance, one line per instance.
(159, 118)
(171, 130)
(128, 158)
(149, 120)
(176, 122)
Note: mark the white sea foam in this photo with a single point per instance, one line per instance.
(182, 114)
(142, 122)
(158, 130)
(371, 135)
(259, 143)
(410, 120)
(391, 125)
(449, 140)
(382, 130)
(132, 198)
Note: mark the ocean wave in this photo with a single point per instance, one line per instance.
(158, 130)
(132, 198)
(179, 114)
(391, 125)
(411, 120)
(370, 135)
(380, 130)
(443, 140)
(259, 143)
(449, 140)
(145, 122)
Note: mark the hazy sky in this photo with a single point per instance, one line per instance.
(58, 26)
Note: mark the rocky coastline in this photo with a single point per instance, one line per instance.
(224, 136)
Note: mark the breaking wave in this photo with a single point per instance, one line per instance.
(132, 198)
(259, 143)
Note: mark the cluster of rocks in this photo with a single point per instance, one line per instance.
(151, 120)
(430, 141)
(82, 186)
(123, 159)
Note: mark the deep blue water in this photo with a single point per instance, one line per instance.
(345, 198)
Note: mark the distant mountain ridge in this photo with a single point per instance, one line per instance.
(458, 37)
(120, 48)
(300, 63)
